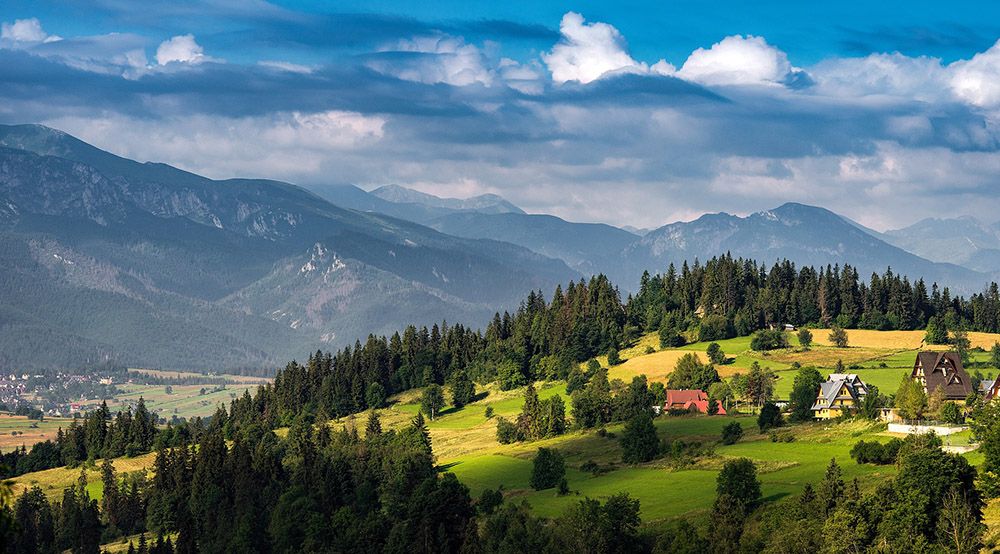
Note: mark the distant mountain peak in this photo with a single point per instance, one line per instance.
(802, 233)
(485, 203)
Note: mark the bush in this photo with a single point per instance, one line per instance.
(874, 452)
(780, 437)
(563, 488)
(715, 354)
(838, 336)
(548, 469)
(951, 413)
(732, 433)
(592, 467)
(715, 327)
(649, 350)
(490, 500)
(684, 453)
(508, 432)
(510, 376)
(613, 357)
(768, 339)
(805, 337)
(770, 417)
(670, 337)
(489, 412)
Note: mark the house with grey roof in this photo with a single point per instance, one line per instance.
(840, 394)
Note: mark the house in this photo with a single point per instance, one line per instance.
(689, 400)
(989, 389)
(942, 370)
(839, 394)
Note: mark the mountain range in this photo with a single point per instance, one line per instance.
(964, 241)
(104, 258)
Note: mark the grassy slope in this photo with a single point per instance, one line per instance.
(53, 481)
(464, 440)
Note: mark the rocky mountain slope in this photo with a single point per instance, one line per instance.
(108, 258)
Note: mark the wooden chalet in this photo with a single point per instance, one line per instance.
(943, 370)
(840, 394)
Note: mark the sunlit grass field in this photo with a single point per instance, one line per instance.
(185, 401)
(54, 481)
(28, 431)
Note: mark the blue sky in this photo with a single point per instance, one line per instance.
(635, 113)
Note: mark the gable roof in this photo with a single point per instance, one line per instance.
(702, 406)
(681, 397)
(990, 388)
(943, 369)
(831, 389)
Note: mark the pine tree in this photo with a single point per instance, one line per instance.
(374, 427)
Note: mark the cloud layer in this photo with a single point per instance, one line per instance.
(580, 127)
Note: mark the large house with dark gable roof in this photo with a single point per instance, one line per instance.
(944, 370)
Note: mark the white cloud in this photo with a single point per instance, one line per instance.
(587, 51)
(286, 66)
(434, 59)
(920, 78)
(26, 31)
(977, 81)
(738, 60)
(181, 48)
(526, 78)
(293, 146)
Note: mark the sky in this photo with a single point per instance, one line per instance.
(629, 113)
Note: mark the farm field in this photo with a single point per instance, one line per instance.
(19, 430)
(185, 401)
(229, 377)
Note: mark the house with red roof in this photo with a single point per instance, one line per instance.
(689, 400)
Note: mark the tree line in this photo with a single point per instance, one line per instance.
(542, 339)
(317, 490)
(97, 435)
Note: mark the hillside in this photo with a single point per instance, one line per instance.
(108, 258)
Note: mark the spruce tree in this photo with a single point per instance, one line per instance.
(639, 442)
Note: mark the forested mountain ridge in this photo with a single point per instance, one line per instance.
(147, 264)
(807, 235)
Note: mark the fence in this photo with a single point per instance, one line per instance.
(917, 427)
